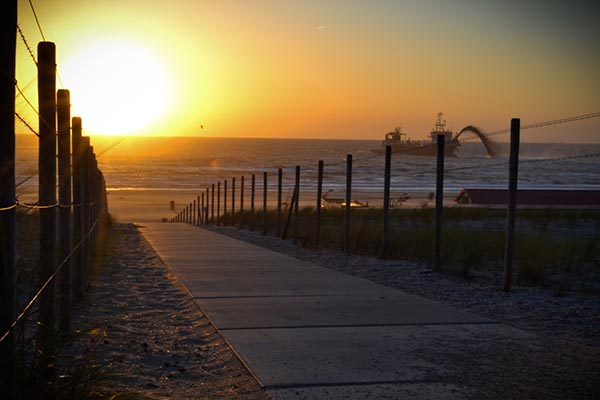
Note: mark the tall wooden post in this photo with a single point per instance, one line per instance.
(94, 198)
(207, 221)
(347, 246)
(225, 202)
(85, 201)
(212, 203)
(513, 177)
(386, 201)
(90, 202)
(439, 203)
(8, 239)
(199, 212)
(279, 193)
(47, 189)
(78, 229)
(252, 193)
(219, 203)
(297, 200)
(203, 221)
(265, 203)
(64, 199)
(194, 212)
(233, 201)
(319, 200)
(242, 202)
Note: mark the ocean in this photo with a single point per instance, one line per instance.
(193, 163)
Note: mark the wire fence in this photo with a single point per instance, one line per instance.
(71, 215)
(272, 203)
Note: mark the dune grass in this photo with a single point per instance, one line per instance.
(550, 243)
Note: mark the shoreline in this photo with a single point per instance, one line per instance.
(146, 205)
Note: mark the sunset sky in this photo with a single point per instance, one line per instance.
(320, 69)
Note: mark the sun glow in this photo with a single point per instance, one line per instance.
(119, 88)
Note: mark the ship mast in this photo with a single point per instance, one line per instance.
(440, 125)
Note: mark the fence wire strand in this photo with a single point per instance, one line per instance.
(48, 281)
(26, 44)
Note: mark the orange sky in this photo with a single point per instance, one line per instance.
(320, 69)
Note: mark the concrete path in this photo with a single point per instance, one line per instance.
(308, 332)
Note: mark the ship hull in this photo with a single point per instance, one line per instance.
(429, 150)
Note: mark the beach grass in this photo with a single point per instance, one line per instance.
(553, 246)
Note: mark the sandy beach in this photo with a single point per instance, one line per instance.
(148, 205)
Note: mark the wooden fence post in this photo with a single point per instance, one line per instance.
(93, 191)
(198, 212)
(78, 231)
(194, 208)
(64, 199)
(264, 203)
(233, 201)
(439, 203)
(290, 211)
(8, 239)
(212, 203)
(242, 202)
(347, 247)
(386, 201)
(90, 202)
(207, 221)
(47, 190)
(202, 220)
(296, 207)
(219, 203)
(225, 202)
(252, 192)
(94, 186)
(319, 199)
(279, 192)
(513, 177)
(85, 200)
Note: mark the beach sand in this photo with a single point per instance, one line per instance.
(140, 329)
(151, 205)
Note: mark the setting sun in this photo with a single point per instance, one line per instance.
(121, 88)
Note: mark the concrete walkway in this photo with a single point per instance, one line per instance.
(308, 332)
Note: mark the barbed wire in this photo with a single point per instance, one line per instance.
(26, 44)
(34, 109)
(547, 123)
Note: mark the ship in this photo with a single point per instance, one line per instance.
(421, 147)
